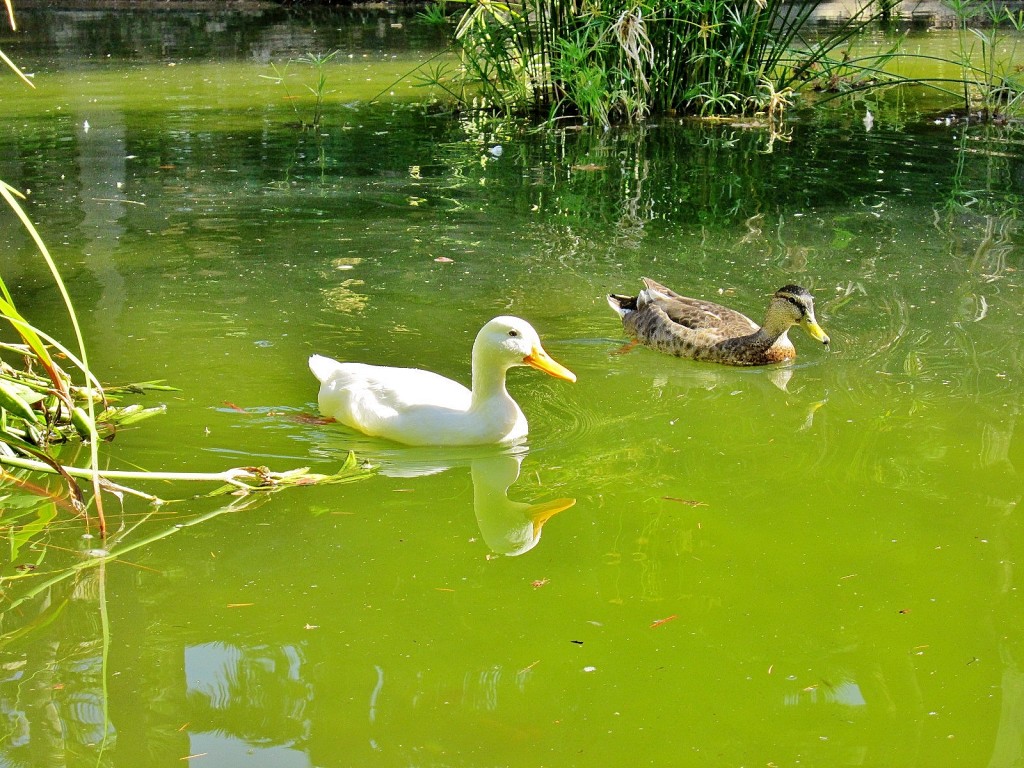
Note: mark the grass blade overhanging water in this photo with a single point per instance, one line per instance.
(83, 420)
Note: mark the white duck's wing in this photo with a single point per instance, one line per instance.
(394, 387)
(386, 402)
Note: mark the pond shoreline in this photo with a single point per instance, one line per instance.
(218, 6)
(920, 12)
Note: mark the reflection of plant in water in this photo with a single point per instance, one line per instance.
(247, 679)
(998, 243)
(988, 187)
(590, 176)
(71, 594)
(31, 506)
(55, 690)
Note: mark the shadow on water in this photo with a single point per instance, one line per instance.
(261, 32)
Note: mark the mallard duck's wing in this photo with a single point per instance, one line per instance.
(704, 317)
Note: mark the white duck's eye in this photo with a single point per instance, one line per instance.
(513, 333)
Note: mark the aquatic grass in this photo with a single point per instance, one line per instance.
(991, 74)
(319, 63)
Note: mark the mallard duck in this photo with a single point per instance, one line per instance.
(418, 407)
(660, 318)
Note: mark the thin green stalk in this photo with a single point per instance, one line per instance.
(409, 74)
(16, 69)
(10, 194)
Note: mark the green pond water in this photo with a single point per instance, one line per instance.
(812, 565)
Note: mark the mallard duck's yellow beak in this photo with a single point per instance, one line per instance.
(542, 361)
(815, 331)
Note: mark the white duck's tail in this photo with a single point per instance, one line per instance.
(322, 367)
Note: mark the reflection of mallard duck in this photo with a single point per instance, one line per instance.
(509, 527)
(418, 407)
(660, 318)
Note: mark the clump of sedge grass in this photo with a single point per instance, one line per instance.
(620, 60)
(610, 61)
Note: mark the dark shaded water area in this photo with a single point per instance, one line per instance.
(812, 564)
(74, 35)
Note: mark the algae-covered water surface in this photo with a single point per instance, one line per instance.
(684, 564)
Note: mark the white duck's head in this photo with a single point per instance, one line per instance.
(508, 341)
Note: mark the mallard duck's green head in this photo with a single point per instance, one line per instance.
(793, 305)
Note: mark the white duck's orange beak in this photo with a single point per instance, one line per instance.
(542, 361)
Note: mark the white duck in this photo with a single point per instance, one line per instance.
(417, 407)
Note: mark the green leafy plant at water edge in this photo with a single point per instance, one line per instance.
(20, 402)
(614, 61)
(41, 406)
(620, 60)
(40, 410)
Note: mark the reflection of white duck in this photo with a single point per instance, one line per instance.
(418, 407)
(508, 527)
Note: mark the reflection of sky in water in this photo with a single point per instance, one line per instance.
(847, 693)
(230, 752)
(209, 669)
(239, 680)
